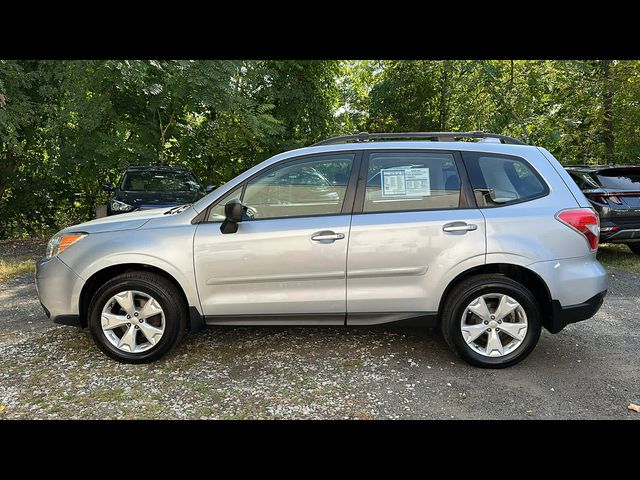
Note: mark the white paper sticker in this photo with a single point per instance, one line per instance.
(405, 182)
(417, 182)
(393, 182)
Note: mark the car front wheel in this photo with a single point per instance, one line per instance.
(137, 317)
(491, 321)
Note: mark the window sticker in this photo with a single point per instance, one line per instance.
(393, 182)
(418, 182)
(406, 182)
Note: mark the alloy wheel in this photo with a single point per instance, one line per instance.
(494, 325)
(133, 321)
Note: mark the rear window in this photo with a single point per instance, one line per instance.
(620, 179)
(502, 179)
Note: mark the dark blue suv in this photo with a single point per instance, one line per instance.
(145, 187)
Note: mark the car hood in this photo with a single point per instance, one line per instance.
(123, 221)
(138, 199)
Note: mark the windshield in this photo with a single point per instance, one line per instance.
(156, 181)
(620, 179)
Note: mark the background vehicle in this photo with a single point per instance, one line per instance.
(614, 192)
(488, 240)
(142, 188)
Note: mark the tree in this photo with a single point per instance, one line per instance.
(67, 125)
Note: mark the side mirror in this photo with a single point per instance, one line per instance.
(233, 215)
(209, 188)
(107, 187)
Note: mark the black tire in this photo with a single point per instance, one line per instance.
(166, 295)
(635, 248)
(469, 289)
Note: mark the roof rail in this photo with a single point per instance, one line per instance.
(158, 167)
(438, 136)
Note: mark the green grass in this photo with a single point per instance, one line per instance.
(12, 268)
(618, 256)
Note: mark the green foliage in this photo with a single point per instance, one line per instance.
(67, 126)
(557, 104)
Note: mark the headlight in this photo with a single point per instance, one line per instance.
(61, 241)
(118, 206)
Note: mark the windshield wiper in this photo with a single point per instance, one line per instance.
(178, 209)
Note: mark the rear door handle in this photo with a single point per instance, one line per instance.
(327, 236)
(459, 227)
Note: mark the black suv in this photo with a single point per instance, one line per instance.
(142, 188)
(614, 191)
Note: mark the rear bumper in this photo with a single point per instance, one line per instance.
(620, 229)
(563, 316)
(623, 235)
(577, 287)
(571, 281)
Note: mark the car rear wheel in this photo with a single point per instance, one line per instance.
(491, 321)
(635, 248)
(137, 317)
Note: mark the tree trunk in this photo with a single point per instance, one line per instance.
(11, 165)
(607, 108)
(444, 107)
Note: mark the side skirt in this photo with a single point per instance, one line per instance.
(400, 319)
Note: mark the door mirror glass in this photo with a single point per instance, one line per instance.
(209, 188)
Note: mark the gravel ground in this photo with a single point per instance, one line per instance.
(588, 371)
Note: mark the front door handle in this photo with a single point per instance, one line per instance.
(327, 236)
(459, 227)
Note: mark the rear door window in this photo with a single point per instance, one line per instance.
(402, 181)
(502, 179)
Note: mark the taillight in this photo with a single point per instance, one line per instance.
(584, 221)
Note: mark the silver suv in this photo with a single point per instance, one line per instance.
(488, 239)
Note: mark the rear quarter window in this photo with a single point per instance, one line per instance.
(502, 179)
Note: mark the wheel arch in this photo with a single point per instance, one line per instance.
(101, 276)
(527, 278)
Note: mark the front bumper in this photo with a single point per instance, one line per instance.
(55, 284)
(563, 316)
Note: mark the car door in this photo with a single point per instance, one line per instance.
(414, 228)
(287, 260)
